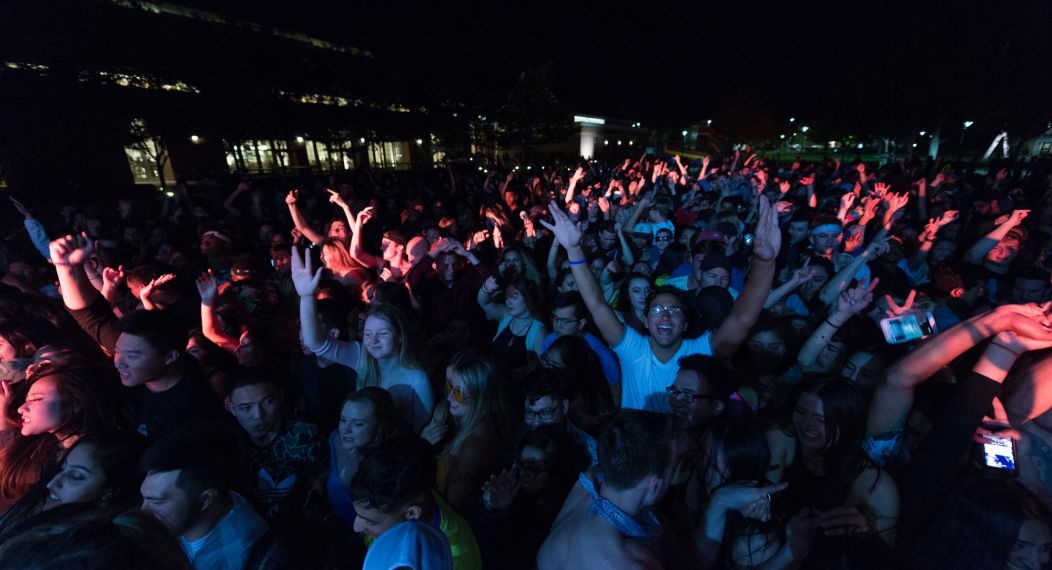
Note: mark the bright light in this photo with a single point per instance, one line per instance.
(792, 119)
(618, 143)
(781, 136)
(914, 145)
(299, 140)
(684, 133)
(589, 120)
(170, 194)
(528, 167)
(419, 141)
(362, 140)
(922, 133)
(805, 128)
(968, 124)
(859, 145)
(607, 141)
(195, 138)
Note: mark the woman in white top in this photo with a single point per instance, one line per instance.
(385, 361)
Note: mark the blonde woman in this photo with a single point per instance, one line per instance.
(382, 358)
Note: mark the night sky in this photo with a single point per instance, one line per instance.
(876, 66)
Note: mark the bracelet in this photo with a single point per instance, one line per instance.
(578, 261)
(830, 323)
(1006, 349)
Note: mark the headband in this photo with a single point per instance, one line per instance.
(832, 228)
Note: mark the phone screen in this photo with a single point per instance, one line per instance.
(907, 328)
(998, 454)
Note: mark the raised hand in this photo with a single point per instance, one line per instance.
(784, 206)
(880, 189)
(112, 277)
(855, 300)
(73, 249)
(1002, 174)
(292, 197)
(566, 231)
(768, 240)
(22, 209)
(808, 180)
(578, 174)
(336, 198)
(803, 273)
(1017, 217)
(304, 277)
(604, 204)
(844, 521)
(500, 490)
(154, 283)
(847, 200)
(207, 287)
(894, 309)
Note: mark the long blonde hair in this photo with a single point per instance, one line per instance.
(479, 374)
(339, 259)
(369, 372)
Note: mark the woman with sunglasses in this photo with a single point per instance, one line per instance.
(478, 420)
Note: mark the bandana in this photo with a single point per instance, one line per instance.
(645, 530)
(831, 228)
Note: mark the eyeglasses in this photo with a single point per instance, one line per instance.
(663, 238)
(559, 321)
(458, 394)
(658, 310)
(685, 396)
(546, 415)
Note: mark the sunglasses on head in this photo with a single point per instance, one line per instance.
(458, 394)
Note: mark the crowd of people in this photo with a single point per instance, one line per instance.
(652, 363)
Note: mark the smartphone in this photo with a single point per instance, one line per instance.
(908, 327)
(747, 240)
(997, 454)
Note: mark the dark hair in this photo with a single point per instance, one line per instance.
(333, 315)
(567, 458)
(203, 453)
(530, 292)
(395, 473)
(388, 422)
(670, 290)
(27, 335)
(561, 277)
(674, 255)
(711, 371)
(845, 424)
(570, 299)
(246, 376)
(635, 444)
(743, 445)
(79, 536)
(624, 303)
(157, 328)
(545, 382)
(582, 372)
(88, 399)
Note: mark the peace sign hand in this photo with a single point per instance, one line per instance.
(895, 310)
(304, 277)
(566, 231)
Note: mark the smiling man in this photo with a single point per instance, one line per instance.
(648, 362)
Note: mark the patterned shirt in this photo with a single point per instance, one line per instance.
(281, 473)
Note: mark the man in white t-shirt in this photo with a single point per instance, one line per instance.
(648, 362)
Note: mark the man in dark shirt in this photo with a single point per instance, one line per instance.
(147, 348)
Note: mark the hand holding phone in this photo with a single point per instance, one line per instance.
(908, 327)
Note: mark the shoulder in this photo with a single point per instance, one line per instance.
(631, 341)
(875, 485)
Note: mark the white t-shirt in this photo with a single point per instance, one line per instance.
(643, 377)
(410, 544)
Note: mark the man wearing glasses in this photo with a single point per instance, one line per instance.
(546, 403)
(570, 318)
(649, 363)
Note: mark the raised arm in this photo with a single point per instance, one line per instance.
(228, 204)
(207, 288)
(299, 221)
(641, 206)
(850, 303)
(494, 311)
(839, 283)
(569, 235)
(574, 179)
(893, 397)
(69, 254)
(146, 293)
(747, 308)
(553, 260)
(306, 280)
(796, 279)
(927, 239)
(982, 247)
(629, 258)
(357, 252)
(336, 198)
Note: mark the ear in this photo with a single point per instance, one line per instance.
(566, 406)
(172, 357)
(208, 498)
(413, 513)
(228, 404)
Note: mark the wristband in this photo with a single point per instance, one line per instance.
(578, 261)
(830, 323)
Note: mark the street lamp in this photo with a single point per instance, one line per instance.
(194, 138)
